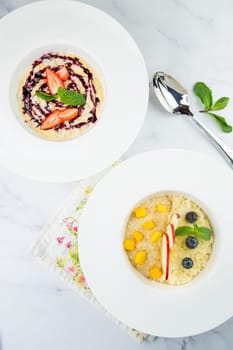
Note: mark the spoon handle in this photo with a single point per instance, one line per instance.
(227, 151)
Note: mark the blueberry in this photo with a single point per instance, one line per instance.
(187, 263)
(191, 217)
(191, 242)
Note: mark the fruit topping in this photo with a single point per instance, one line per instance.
(57, 117)
(53, 81)
(140, 257)
(165, 256)
(155, 236)
(191, 217)
(175, 219)
(68, 114)
(63, 73)
(161, 208)
(148, 225)
(187, 263)
(191, 242)
(171, 229)
(140, 212)
(51, 120)
(129, 244)
(138, 236)
(155, 272)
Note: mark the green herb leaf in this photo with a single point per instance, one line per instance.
(195, 229)
(204, 233)
(204, 93)
(221, 122)
(70, 97)
(200, 232)
(220, 104)
(46, 97)
(184, 230)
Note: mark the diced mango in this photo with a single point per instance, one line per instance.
(140, 212)
(129, 244)
(155, 272)
(148, 225)
(161, 208)
(138, 236)
(155, 236)
(140, 257)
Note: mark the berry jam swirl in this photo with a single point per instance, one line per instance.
(80, 79)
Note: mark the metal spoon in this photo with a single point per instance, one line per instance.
(174, 98)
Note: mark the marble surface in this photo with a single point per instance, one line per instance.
(193, 41)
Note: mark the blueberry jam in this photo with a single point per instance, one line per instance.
(80, 80)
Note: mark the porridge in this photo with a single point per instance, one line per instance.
(169, 238)
(60, 96)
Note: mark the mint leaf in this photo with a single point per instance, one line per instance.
(195, 229)
(204, 233)
(221, 122)
(200, 232)
(204, 93)
(184, 230)
(220, 103)
(46, 97)
(70, 97)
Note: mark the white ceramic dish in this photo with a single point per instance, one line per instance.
(145, 305)
(69, 26)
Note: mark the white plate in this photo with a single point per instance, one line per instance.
(77, 27)
(148, 306)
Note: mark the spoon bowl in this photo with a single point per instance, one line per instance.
(173, 96)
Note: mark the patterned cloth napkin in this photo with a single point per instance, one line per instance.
(57, 246)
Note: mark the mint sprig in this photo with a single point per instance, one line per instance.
(221, 103)
(204, 93)
(68, 97)
(221, 122)
(195, 230)
(46, 97)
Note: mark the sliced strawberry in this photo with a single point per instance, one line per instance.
(51, 120)
(58, 116)
(53, 81)
(63, 73)
(68, 114)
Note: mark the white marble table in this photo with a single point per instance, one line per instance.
(193, 41)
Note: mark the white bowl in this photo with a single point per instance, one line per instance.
(148, 306)
(102, 41)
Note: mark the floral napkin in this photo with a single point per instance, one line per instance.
(57, 246)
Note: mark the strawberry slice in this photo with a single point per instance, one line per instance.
(63, 73)
(51, 120)
(53, 81)
(58, 116)
(68, 114)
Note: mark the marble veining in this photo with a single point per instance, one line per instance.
(193, 41)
